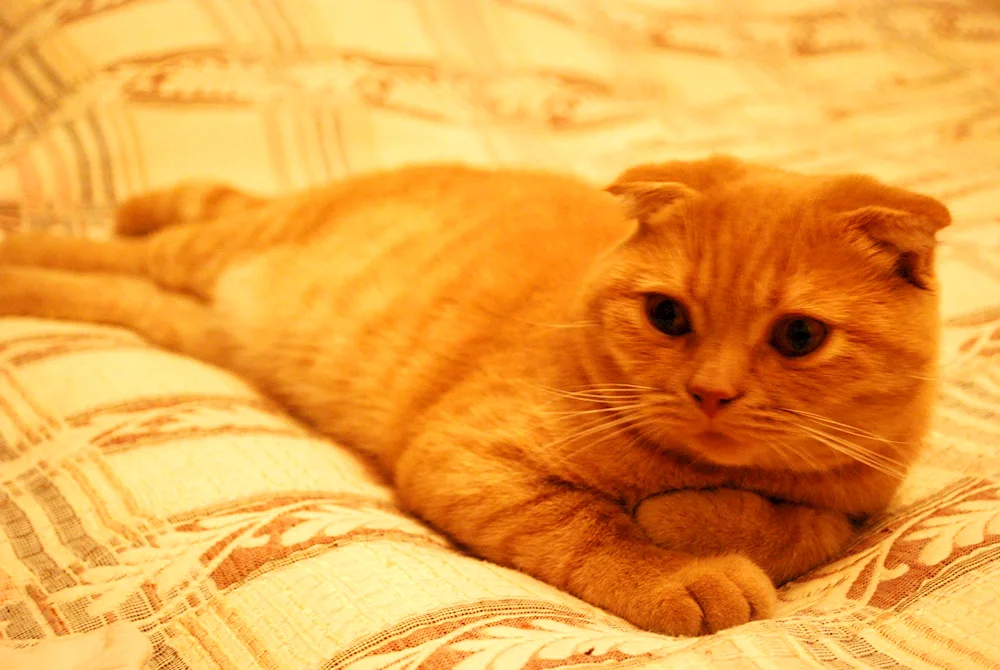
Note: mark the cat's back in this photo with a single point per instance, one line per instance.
(407, 214)
(411, 279)
(428, 232)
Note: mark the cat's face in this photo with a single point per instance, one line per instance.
(772, 320)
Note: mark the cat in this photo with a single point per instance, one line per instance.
(665, 399)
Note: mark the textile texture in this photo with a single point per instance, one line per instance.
(140, 486)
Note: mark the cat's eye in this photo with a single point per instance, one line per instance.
(795, 336)
(667, 315)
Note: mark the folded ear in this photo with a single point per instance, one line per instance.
(647, 189)
(901, 223)
(701, 175)
(643, 199)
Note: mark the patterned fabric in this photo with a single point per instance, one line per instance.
(140, 486)
(119, 646)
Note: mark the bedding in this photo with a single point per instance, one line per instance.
(145, 490)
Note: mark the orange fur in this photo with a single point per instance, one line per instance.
(485, 335)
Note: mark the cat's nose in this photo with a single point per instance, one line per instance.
(712, 400)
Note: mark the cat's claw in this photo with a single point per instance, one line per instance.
(713, 594)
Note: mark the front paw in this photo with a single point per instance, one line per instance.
(785, 539)
(712, 594)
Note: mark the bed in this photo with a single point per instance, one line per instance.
(163, 512)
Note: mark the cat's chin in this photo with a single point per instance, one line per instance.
(721, 449)
(710, 447)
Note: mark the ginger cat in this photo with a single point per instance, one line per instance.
(663, 406)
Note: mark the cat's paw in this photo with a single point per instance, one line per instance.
(712, 594)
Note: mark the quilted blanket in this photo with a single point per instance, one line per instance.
(142, 489)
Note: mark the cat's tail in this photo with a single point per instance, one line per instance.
(185, 203)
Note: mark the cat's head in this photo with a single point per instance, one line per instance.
(771, 319)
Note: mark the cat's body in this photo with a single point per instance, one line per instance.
(487, 336)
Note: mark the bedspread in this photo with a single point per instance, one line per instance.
(140, 486)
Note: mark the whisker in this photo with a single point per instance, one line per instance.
(616, 385)
(578, 324)
(923, 377)
(614, 388)
(610, 393)
(766, 428)
(856, 452)
(590, 428)
(825, 419)
(595, 391)
(632, 423)
(586, 387)
(783, 449)
(608, 401)
(508, 317)
(859, 448)
(843, 427)
(623, 384)
(815, 465)
(602, 410)
(875, 466)
(615, 426)
(590, 416)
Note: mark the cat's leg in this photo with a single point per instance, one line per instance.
(166, 319)
(574, 539)
(785, 539)
(188, 202)
(187, 257)
(121, 256)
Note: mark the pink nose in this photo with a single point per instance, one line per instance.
(711, 401)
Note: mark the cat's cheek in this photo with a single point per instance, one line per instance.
(628, 356)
